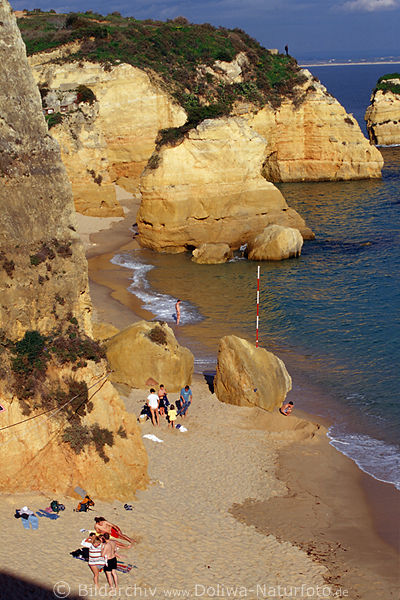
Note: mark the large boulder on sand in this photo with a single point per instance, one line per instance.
(149, 350)
(275, 243)
(250, 376)
(211, 254)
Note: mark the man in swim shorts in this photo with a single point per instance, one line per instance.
(103, 526)
(109, 552)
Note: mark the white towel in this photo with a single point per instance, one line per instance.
(152, 437)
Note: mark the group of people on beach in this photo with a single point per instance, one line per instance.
(159, 405)
(103, 551)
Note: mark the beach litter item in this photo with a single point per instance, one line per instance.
(181, 427)
(128, 507)
(44, 513)
(152, 437)
(80, 492)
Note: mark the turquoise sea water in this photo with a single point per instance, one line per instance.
(332, 314)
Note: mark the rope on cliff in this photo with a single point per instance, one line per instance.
(102, 379)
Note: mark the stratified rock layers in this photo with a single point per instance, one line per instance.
(44, 285)
(115, 137)
(383, 118)
(43, 270)
(209, 189)
(314, 140)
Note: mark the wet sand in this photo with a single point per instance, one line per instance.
(320, 504)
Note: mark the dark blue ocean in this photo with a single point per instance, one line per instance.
(332, 315)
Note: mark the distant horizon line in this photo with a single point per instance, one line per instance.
(347, 63)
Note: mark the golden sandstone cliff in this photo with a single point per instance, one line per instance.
(310, 139)
(383, 116)
(209, 189)
(314, 140)
(49, 363)
(111, 140)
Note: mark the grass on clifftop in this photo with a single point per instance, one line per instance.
(177, 51)
(386, 85)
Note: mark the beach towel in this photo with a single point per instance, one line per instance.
(122, 567)
(43, 513)
(152, 437)
(25, 523)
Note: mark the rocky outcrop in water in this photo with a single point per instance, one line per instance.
(209, 189)
(383, 115)
(211, 254)
(250, 376)
(63, 424)
(275, 243)
(314, 140)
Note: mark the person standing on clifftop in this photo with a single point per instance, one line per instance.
(287, 50)
(178, 311)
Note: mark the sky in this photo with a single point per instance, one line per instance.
(311, 28)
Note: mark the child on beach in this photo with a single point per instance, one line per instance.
(171, 416)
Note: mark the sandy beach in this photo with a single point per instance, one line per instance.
(242, 504)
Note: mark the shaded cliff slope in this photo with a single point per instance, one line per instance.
(63, 422)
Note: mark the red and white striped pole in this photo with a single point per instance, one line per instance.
(258, 303)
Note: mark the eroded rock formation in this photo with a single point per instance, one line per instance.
(275, 243)
(112, 140)
(209, 189)
(43, 270)
(314, 140)
(250, 376)
(211, 254)
(149, 351)
(383, 117)
(49, 363)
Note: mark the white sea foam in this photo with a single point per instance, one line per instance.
(161, 305)
(379, 459)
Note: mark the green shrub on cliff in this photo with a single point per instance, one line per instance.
(386, 85)
(178, 52)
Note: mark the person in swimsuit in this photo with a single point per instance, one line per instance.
(162, 400)
(96, 560)
(178, 311)
(286, 408)
(103, 526)
(153, 403)
(109, 552)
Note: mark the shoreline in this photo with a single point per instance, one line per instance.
(371, 493)
(348, 64)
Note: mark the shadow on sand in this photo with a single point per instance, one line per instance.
(16, 588)
(209, 377)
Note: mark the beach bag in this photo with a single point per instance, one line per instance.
(56, 507)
